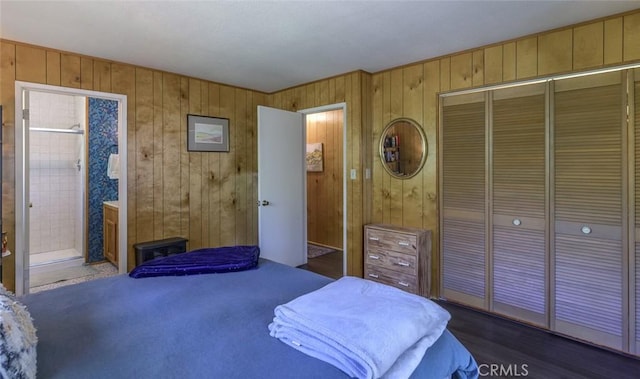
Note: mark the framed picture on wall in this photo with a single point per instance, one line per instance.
(314, 157)
(205, 133)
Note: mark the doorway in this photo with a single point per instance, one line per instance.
(282, 187)
(325, 174)
(55, 220)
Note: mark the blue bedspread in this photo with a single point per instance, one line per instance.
(202, 261)
(198, 326)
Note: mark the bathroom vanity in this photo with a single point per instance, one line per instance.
(110, 231)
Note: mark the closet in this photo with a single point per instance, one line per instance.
(538, 195)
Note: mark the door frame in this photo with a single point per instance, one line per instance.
(326, 108)
(22, 176)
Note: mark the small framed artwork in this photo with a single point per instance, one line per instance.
(206, 133)
(314, 157)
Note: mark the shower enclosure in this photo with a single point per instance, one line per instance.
(57, 178)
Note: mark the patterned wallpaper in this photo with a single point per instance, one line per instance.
(103, 141)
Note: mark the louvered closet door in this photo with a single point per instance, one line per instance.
(635, 288)
(518, 162)
(588, 206)
(463, 199)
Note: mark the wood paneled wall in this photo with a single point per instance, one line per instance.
(324, 189)
(412, 91)
(208, 198)
(354, 89)
(168, 187)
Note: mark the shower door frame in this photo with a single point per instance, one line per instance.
(22, 175)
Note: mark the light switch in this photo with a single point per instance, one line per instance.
(367, 173)
(353, 174)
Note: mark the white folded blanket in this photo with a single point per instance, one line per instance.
(366, 329)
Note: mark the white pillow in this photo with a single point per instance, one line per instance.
(17, 339)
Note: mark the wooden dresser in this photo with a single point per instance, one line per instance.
(398, 256)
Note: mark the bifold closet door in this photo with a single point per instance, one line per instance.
(635, 278)
(519, 253)
(463, 199)
(589, 225)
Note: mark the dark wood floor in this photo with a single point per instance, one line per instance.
(328, 265)
(495, 340)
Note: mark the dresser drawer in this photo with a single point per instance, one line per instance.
(385, 240)
(392, 260)
(378, 274)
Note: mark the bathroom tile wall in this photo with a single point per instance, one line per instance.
(103, 141)
(54, 190)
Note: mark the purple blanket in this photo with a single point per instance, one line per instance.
(202, 261)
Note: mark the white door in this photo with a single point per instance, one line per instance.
(282, 220)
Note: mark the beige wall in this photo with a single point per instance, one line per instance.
(169, 188)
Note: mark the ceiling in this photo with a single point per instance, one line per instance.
(272, 45)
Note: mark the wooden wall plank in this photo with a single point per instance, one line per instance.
(509, 69)
(228, 196)
(70, 70)
(158, 150)
(461, 71)
(313, 185)
(7, 99)
(240, 147)
(588, 46)
(356, 206)
(631, 47)
(477, 74)
(213, 181)
(144, 157)
(613, 40)
(395, 189)
(86, 73)
(377, 169)
(31, 64)
(555, 52)
(101, 76)
(194, 185)
(53, 68)
(204, 170)
(493, 64)
(386, 118)
(184, 159)
(445, 74)
(413, 77)
(171, 154)
(527, 58)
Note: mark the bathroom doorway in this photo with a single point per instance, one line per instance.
(57, 181)
(66, 138)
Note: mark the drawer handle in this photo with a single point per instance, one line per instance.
(404, 284)
(374, 239)
(585, 230)
(403, 243)
(403, 264)
(374, 256)
(374, 276)
(517, 222)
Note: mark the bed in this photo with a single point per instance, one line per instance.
(199, 326)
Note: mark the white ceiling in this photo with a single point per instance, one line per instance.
(272, 45)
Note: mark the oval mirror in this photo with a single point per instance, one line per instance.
(403, 148)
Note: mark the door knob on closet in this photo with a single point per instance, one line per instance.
(30, 205)
(264, 203)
